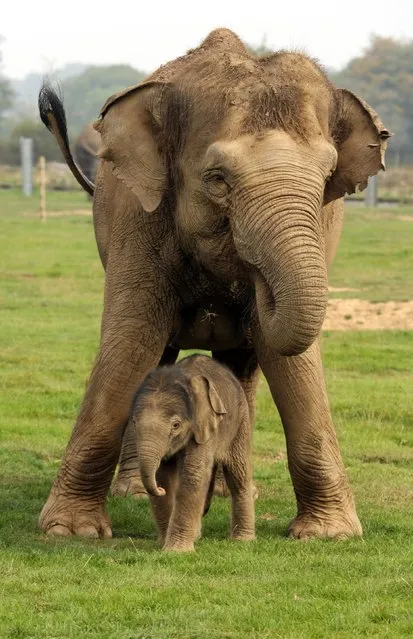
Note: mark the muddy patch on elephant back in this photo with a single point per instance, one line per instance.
(360, 315)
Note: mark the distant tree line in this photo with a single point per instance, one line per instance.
(6, 93)
(383, 76)
(84, 95)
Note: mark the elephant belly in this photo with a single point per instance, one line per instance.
(209, 326)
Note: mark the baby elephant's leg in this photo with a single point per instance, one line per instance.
(162, 507)
(239, 479)
(211, 489)
(185, 522)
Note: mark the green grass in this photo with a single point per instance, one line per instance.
(375, 255)
(125, 588)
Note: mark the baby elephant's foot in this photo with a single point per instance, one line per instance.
(247, 535)
(178, 547)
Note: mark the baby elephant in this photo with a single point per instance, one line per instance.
(189, 417)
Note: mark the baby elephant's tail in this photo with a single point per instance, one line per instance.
(53, 116)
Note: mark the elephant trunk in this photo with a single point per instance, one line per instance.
(149, 461)
(290, 275)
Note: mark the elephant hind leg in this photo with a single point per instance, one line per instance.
(212, 487)
(128, 480)
(241, 488)
(243, 363)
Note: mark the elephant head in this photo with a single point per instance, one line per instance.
(243, 152)
(170, 408)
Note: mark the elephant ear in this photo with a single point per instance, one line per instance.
(208, 407)
(361, 141)
(128, 125)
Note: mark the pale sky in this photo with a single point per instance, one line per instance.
(41, 35)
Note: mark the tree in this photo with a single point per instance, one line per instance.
(84, 93)
(383, 76)
(6, 93)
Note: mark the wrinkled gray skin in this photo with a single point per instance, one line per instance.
(217, 210)
(188, 418)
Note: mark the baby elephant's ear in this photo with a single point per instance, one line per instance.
(208, 406)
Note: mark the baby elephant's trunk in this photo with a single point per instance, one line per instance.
(149, 464)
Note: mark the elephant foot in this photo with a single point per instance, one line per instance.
(323, 526)
(178, 547)
(243, 536)
(63, 517)
(126, 484)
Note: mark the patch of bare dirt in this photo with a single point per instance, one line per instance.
(268, 517)
(340, 289)
(360, 315)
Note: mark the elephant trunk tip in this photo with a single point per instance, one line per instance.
(149, 462)
(151, 486)
(159, 492)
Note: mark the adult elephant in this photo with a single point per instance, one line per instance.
(86, 148)
(217, 207)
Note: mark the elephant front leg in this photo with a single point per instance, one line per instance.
(128, 480)
(76, 502)
(194, 479)
(324, 498)
(162, 507)
(131, 345)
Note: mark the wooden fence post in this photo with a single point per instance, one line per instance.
(42, 188)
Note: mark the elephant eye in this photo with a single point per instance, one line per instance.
(216, 185)
(176, 426)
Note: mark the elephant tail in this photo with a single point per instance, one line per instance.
(53, 116)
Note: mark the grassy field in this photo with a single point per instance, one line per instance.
(125, 588)
(375, 258)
